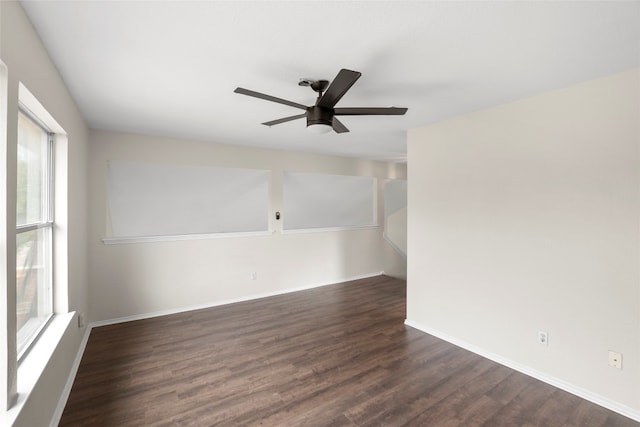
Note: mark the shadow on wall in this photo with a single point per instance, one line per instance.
(395, 231)
(395, 228)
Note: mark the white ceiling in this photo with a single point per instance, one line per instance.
(170, 68)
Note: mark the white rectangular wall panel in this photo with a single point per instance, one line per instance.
(317, 201)
(167, 200)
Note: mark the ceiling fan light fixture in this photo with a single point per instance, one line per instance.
(321, 117)
(319, 128)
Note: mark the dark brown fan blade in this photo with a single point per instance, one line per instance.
(365, 111)
(338, 87)
(339, 127)
(269, 98)
(285, 119)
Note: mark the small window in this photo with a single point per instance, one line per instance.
(322, 201)
(161, 200)
(34, 226)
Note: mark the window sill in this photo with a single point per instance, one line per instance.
(34, 363)
(30, 332)
(151, 239)
(329, 229)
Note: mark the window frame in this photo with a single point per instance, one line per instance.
(46, 223)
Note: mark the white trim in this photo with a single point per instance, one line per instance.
(28, 102)
(329, 229)
(31, 227)
(151, 239)
(556, 382)
(66, 391)
(35, 362)
(223, 302)
(29, 333)
(8, 363)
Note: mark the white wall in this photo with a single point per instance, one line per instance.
(27, 61)
(525, 217)
(137, 279)
(397, 229)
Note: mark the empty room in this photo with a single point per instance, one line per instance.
(320, 213)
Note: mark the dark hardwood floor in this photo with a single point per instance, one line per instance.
(333, 356)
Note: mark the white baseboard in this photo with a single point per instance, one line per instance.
(556, 382)
(223, 302)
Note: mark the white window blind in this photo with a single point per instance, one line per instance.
(173, 200)
(319, 201)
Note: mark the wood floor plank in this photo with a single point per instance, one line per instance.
(333, 356)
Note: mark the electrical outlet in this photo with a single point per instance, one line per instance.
(543, 338)
(254, 276)
(615, 359)
(80, 320)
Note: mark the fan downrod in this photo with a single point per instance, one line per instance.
(317, 85)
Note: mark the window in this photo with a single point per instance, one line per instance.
(148, 200)
(34, 226)
(322, 201)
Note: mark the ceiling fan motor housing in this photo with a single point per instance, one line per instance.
(319, 116)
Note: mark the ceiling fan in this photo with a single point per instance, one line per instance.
(321, 117)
